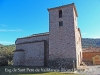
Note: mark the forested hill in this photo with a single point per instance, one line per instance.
(7, 50)
(87, 42)
(6, 54)
(7, 47)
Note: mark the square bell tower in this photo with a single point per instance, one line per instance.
(63, 31)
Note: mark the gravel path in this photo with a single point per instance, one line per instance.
(91, 70)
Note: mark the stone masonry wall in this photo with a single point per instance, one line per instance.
(62, 38)
(36, 51)
(32, 39)
(19, 58)
(77, 41)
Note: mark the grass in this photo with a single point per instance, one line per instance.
(17, 70)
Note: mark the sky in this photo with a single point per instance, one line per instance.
(21, 18)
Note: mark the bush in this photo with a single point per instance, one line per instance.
(4, 63)
(6, 54)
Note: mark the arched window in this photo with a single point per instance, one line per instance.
(60, 13)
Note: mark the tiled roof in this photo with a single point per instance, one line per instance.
(91, 49)
(40, 34)
(35, 35)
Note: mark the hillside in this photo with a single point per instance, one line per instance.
(7, 47)
(6, 54)
(87, 42)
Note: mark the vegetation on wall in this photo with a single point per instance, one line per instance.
(6, 54)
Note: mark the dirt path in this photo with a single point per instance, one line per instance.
(91, 70)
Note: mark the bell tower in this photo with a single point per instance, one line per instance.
(62, 35)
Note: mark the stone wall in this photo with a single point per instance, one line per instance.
(77, 40)
(88, 53)
(33, 38)
(35, 51)
(19, 58)
(62, 42)
(62, 39)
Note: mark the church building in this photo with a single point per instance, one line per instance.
(60, 47)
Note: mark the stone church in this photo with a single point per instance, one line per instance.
(60, 47)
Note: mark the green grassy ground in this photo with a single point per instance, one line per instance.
(15, 70)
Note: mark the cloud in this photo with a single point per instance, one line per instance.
(11, 30)
(6, 42)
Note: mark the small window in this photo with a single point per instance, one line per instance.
(61, 23)
(60, 13)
